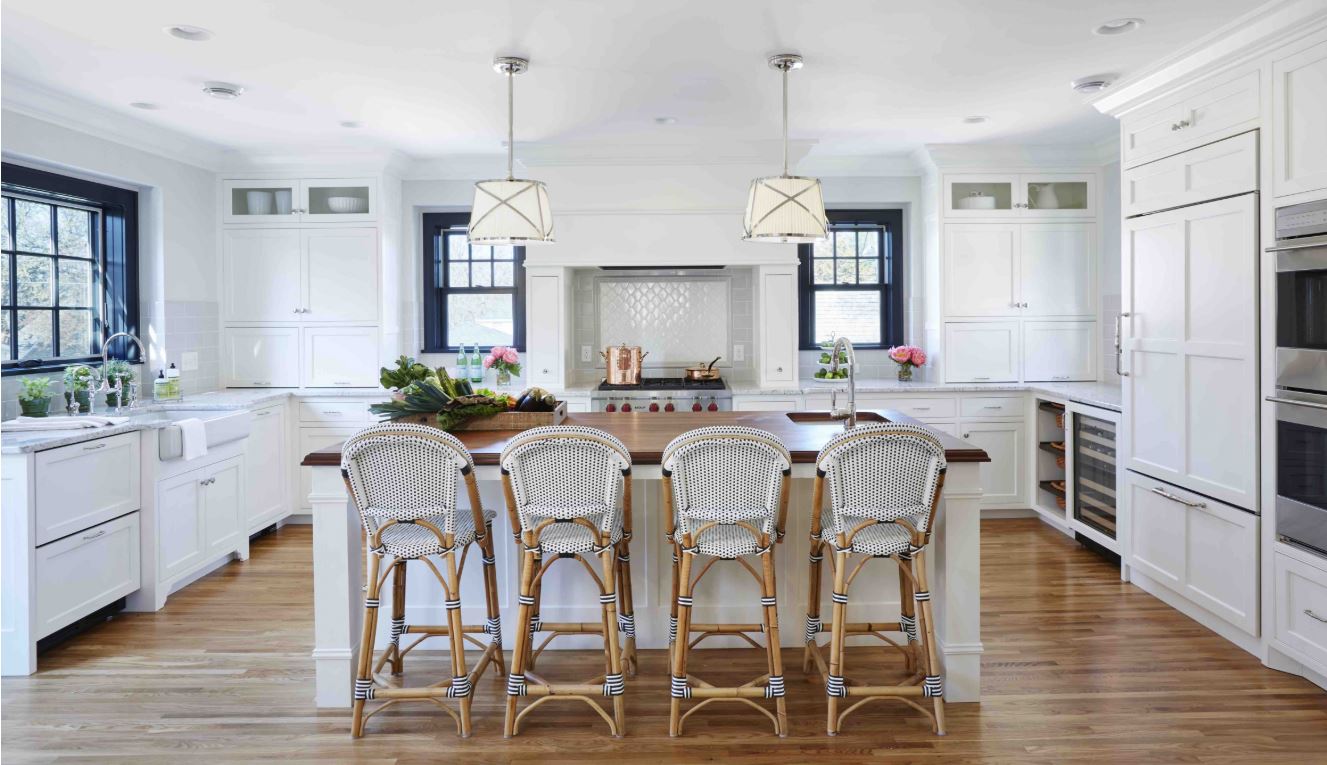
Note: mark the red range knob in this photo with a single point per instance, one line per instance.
(713, 407)
(626, 407)
(695, 406)
(669, 407)
(654, 406)
(611, 407)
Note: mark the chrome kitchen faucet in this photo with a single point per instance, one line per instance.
(848, 415)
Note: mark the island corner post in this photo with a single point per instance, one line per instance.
(339, 562)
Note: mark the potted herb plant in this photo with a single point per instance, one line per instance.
(117, 370)
(35, 398)
(78, 382)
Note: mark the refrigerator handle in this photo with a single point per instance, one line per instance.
(1119, 345)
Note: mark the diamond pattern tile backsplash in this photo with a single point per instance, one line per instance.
(679, 317)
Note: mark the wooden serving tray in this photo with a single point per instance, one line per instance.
(502, 420)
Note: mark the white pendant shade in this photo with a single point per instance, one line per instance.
(785, 208)
(511, 212)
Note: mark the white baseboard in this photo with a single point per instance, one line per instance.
(990, 513)
(1225, 629)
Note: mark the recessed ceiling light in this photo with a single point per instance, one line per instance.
(1118, 26)
(190, 33)
(665, 120)
(226, 91)
(351, 124)
(975, 119)
(145, 106)
(1094, 84)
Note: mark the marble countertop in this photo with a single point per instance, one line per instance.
(1104, 395)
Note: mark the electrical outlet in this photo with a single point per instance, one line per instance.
(739, 352)
(586, 356)
(189, 361)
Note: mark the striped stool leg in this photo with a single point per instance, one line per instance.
(672, 602)
(398, 617)
(908, 618)
(678, 683)
(613, 681)
(626, 610)
(460, 674)
(835, 685)
(813, 605)
(535, 620)
(933, 685)
(364, 676)
(516, 679)
(775, 687)
(494, 625)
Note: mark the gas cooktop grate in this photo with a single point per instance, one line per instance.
(667, 383)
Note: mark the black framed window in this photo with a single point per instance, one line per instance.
(68, 254)
(473, 294)
(852, 284)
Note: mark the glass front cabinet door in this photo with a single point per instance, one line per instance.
(1057, 195)
(1042, 195)
(260, 201)
(339, 200)
(320, 200)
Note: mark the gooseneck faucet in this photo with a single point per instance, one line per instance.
(849, 414)
(118, 390)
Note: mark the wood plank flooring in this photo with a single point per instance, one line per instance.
(1079, 668)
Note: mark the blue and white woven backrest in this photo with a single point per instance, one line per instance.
(726, 474)
(405, 472)
(882, 471)
(565, 471)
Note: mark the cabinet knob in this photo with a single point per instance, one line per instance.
(778, 369)
(965, 435)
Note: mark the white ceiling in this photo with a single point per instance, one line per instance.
(881, 77)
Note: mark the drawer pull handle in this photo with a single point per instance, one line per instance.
(1309, 613)
(94, 448)
(330, 411)
(103, 531)
(993, 406)
(922, 408)
(207, 481)
(1162, 492)
(262, 413)
(981, 378)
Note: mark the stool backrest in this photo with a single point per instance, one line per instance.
(565, 471)
(726, 474)
(883, 472)
(403, 472)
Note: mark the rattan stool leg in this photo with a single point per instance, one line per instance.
(678, 681)
(813, 604)
(456, 630)
(772, 648)
(492, 602)
(928, 638)
(908, 620)
(364, 677)
(626, 609)
(398, 618)
(835, 685)
(608, 560)
(516, 679)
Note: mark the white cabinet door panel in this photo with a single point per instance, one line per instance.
(1299, 121)
(341, 270)
(981, 269)
(181, 532)
(765, 404)
(222, 500)
(260, 357)
(252, 201)
(1002, 479)
(340, 357)
(1059, 351)
(311, 440)
(543, 334)
(1057, 269)
(1198, 116)
(1221, 169)
(81, 485)
(778, 327)
(260, 275)
(981, 351)
(1156, 532)
(1301, 604)
(266, 463)
(86, 571)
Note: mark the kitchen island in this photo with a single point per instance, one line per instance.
(568, 596)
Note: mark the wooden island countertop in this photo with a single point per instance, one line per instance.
(646, 434)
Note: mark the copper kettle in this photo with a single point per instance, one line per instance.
(624, 364)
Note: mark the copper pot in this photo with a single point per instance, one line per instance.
(703, 372)
(624, 364)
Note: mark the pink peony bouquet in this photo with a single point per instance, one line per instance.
(907, 357)
(503, 359)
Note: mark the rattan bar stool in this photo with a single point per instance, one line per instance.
(569, 494)
(403, 479)
(885, 482)
(725, 497)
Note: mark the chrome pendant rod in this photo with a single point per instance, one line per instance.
(785, 121)
(511, 108)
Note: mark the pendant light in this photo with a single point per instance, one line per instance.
(510, 210)
(785, 208)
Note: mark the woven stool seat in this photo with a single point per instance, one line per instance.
(412, 540)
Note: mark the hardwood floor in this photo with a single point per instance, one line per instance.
(1078, 668)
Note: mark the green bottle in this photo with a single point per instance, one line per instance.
(476, 366)
(462, 363)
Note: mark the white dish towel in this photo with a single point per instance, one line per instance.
(20, 424)
(193, 438)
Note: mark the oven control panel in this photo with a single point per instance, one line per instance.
(1308, 219)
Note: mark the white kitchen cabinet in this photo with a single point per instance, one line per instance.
(340, 357)
(1198, 115)
(266, 463)
(261, 275)
(199, 517)
(1004, 478)
(1057, 269)
(981, 269)
(1202, 549)
(1221, 169)
(777, 326)
(81, 485)
(769, 403)
(338, 200)
(261, 357)
(545, 306)
(85, 571)
(311, 440)
(1058, 351)
(1025, 195)
(340, 275)
(1299, 121)
(1190, 347)
(260, 201)
(981, 351)
(333, 413)
(1300, 606)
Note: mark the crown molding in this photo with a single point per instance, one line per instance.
(992, 155)
(1241, 41)
(607, 154)
(25, 97)
(337, 162)
(851, 166)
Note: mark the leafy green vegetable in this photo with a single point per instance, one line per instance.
(407, 371)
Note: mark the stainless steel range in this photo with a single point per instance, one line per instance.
(663, 395)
